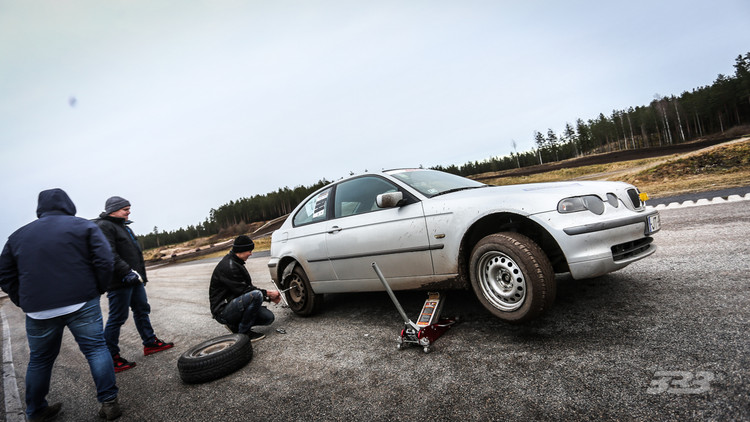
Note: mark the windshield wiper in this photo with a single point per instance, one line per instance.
(457, 189)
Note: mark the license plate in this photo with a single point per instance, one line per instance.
(653, 224)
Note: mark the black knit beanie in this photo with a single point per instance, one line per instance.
(115, 203)
(243, 244)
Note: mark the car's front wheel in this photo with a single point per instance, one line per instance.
(512, 277)
(300, 296)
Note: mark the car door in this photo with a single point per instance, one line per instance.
(361, 233)
(309, 238)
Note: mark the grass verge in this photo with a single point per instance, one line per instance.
(722, 166)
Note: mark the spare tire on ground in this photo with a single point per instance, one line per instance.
(215, 358)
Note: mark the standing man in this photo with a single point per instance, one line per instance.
(234, 300)
(127, 285)
(55, 269)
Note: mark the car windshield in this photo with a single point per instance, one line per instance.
(432, 182)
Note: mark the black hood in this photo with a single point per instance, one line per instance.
(54, 200)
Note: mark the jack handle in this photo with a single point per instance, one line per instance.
(406, 319)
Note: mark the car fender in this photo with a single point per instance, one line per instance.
(287, 272)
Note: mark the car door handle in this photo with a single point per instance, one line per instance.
(334, 230)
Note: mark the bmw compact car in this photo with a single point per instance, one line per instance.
(430, 230)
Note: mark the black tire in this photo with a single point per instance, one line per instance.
(215, 358)
(512, 277)
(301, 298)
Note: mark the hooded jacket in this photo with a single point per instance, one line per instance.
(127, 251)
(57, 260)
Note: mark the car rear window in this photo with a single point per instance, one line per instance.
(314, 209)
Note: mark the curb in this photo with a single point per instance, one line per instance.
(703, 201)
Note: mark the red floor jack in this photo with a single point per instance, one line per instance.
(429, 326)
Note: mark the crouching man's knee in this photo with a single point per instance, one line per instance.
(256, 296)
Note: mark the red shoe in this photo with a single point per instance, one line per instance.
(121, 364)
(156, 346)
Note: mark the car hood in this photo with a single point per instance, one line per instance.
(534, 198)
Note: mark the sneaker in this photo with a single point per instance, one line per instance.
(156, 346)
(121, 364)
(46, 414)
(255, 336)
(110, 410)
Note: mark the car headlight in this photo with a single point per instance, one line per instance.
(612, 199)
(581, 203)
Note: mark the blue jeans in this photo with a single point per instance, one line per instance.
(133, 297)
(45, 337)
(246, 311)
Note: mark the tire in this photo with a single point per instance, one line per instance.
(301, 299)
(512, 277)
(215, 358)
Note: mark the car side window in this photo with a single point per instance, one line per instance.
(357, 196)
(314, 210)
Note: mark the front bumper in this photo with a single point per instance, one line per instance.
(644, 218)
(589, 267)
(596, 247)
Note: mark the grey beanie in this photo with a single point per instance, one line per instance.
(115, 203)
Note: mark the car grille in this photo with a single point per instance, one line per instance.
(630, 249)
(635, 199)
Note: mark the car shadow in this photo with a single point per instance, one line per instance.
(597, 309)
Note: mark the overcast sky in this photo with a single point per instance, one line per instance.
(182, 106)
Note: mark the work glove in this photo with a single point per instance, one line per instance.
(132, 278)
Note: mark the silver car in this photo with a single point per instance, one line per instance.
(431, 230)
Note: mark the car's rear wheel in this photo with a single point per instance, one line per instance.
(512, 277)
(300, 296)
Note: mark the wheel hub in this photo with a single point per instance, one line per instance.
(297, 290)
(214, 348)
(502, 281)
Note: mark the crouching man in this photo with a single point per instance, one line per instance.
(234, 300)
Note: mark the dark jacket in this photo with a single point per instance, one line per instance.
(229, 280)
(128, 254)
(57, 260)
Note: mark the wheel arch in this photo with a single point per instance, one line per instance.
(509, 222)
(281, 267)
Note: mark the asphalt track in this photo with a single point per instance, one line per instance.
(662, 339)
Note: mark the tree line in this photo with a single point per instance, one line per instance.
(232, 218)
(665, 121)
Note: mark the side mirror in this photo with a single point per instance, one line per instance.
(389, 200)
